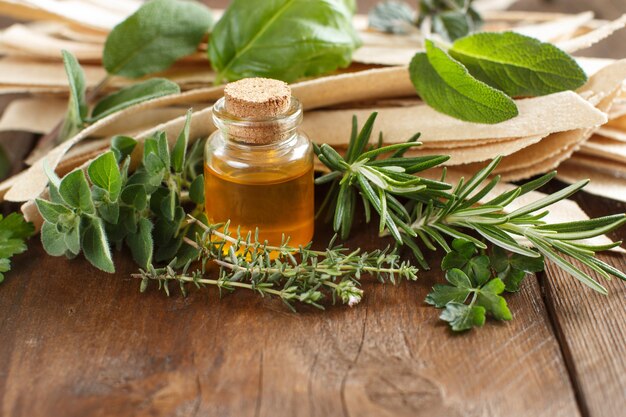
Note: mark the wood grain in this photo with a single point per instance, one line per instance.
(592, 328)
(76, 342)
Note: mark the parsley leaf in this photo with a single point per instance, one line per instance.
(470, 277)
(513, 269)
(14, 231)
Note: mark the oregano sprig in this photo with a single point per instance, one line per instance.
(106, 206)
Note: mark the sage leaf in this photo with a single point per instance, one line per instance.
(131, 95)
(74, 190)
(517, 64)
(282, 39)
(447, 86)
(155, 36)
(77, 106)
(141, 244)
(95, 245)
(105, 173)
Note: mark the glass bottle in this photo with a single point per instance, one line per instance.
(258, 168)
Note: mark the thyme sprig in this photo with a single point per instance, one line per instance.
(429, 213)
(292, 274)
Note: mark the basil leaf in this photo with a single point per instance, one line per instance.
(156, 35)
(131, 95)
(282, 39)
(518, 65)
(444, 84)
(95, 245)
(105, 173)
(74, 190)
(77, 107)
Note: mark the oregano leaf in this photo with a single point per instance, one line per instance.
(52, 239)
(180, 147)
(52, 212)
(155, 36)
(74, 189)
(122, 146)
(95, 244)
(105, 173)
(446, 85)
(196, 190)
(517, 64)
(141, 243)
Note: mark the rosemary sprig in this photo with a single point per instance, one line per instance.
(430, 214)
(291, 274)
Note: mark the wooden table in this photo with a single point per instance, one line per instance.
(77, 342)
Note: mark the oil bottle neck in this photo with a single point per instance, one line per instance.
(259, 133)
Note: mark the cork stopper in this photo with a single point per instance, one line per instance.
(257, 105)
(257, 98)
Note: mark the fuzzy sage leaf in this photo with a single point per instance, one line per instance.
(446, 85)
(518, 65)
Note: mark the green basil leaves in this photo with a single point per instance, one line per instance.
(155, 36)
(282, 39)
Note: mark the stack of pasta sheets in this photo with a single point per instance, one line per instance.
(583, 133)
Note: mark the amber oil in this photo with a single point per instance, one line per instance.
(259, 172)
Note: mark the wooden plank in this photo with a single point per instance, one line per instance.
(76, 342)
(592, 328)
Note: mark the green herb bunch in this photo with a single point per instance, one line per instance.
(292, 274)
(481, 279)
(110, 207)
(421, 213)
